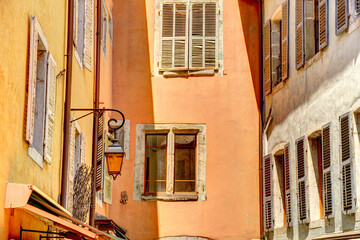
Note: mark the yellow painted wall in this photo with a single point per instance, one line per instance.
(16, 166)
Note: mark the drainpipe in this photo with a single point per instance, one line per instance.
(262, 122)
(66, 145)
(96, 115)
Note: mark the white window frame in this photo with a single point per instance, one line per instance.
(218, 71)
(170, 130)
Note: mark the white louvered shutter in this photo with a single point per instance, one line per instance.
(285, 41)
(75, 23)
(346, 164)
(82, 148)
(287, 186)
(203, 35)
(267, 57)
(50, 109)
(326, 169)
(88, 34)
(174, 43)
(300, 48)
(71, 168)
(268, 193)
(302, 180)
(342, 16)
(323, 24)
(108, 181)
(32, 66)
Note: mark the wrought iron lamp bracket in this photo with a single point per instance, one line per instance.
(101, 110)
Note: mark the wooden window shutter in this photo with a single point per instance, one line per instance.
(267, 193)
(75, 23)
(300, 53)
(107, 191)
(326, 165)
(203, 36)
(302, 180)
(100, 152)
(267, 57)
(31, 86)
(285, 40)
(342, 16)
(174, 42)
(346, 164)
(50, 109)
(323, 24)
(287, 186)
(88, 34)
(82, 148)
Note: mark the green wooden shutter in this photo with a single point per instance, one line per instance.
(326, 169)
(342, 16)
(323, 24)
(302, 180)
(287, 186)
(346, 164)
(285, 40)
(32, 66)
(268, 193)
(174, 43)
(50, 109)
(300, 49)
(100, 152)
(267, 57)
(203, 35)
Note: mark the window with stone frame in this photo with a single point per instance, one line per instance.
(170, 162)
(41, 93)
(188, 37)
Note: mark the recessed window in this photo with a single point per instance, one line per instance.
(170, 162)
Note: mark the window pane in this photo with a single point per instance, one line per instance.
(156, 146)
(185, 147)
(153, 187)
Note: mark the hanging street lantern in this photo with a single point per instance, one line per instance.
(114, 158)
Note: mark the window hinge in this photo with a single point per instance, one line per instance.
(218, 11)
(160, 13)
(260, 168)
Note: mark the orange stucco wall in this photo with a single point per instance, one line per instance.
(228, 105)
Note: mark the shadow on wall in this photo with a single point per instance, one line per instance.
(132, 93)
(304, 84)
(250, 20)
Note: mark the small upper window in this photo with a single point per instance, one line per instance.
(103, 27)
(188, 42)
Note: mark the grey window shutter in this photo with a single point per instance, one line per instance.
(323, 24)
(342, 16)
(203, 35)
(174, 43)
(357, 6)
(50, 109)
(346, 164)
(285, 40)
(268, 193)
(267, 57)
(302, 180)
(287, 186)
(326, 170)
(100, 152)
(32, 66)
(300, 49)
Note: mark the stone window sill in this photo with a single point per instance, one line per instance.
(170, 197)
(191, 73)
